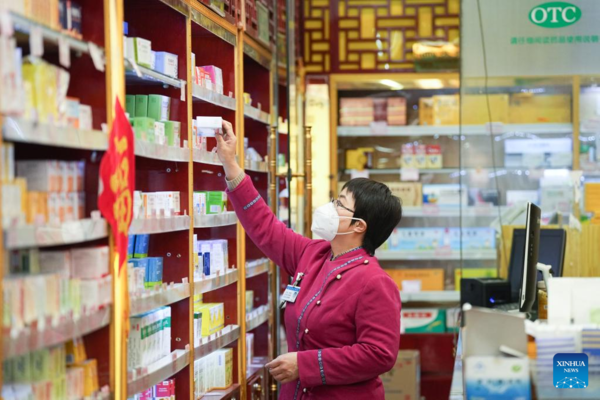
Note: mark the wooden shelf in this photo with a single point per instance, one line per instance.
(256, 114)
(81, 231)
(31, 339)
(215, 220)
(450, 130)
(149, 226)
(257, 267)
(25, 25)
(161, 152)
(221, 394)
(450, 255)
(157, 372)
(26, 131)
(216, 341)
(215, 282)
(258, 364)
(257, 317)
(153, 299)
(200, 93)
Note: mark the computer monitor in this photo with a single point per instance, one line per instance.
(530, 258)
(551, 252)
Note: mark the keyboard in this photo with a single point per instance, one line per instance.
(507, 307)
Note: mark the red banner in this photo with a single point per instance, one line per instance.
(117, 174)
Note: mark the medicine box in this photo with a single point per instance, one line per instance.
(141, 105)
(423, 320)
(159, 107)
(141, 246)
(223, 369)
(445, 195)
(431, 279)
(142, 51)
(409, 193)
(172, 133)
(249, 301)
(130, 105)
(90, 262)
(208, 126)
(166, 63)
(216, 202)
(497, 378)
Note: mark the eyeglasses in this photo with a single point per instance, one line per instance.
(338, 203)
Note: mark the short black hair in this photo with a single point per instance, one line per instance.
(378, 207)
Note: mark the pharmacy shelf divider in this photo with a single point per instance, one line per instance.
(215, 220)
(206, 157)
(29, 236)
(256, 114)
(450, 130)
(161, 152)
(388, 255)
(148, 226)
(257, 267)
(217, 341)
(26, 131)
(200, 93)
(215, 282)
(159, 297)
(30, 339)
(158, 371)
(141, 75)
(438, 296)
(257, 317)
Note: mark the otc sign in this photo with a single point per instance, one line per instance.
(555, 15)
(530, 38)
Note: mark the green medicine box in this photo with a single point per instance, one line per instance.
(130, 105)
(159, 107)
(143, 127)
(216, 202)
(141, 105)
(424, 320)
(172, 132)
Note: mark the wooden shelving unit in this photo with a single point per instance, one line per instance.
(188, 26)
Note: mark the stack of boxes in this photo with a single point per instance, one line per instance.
(150, 118)
(60, 372)
(421, 156)
(213, 372)
(54, 285)
(209, 202)
(162, 391)
(155, 204)
(211, 257)
(365, 111)
(208, 76)
(139, 50)
(149, 338)
(144, 273)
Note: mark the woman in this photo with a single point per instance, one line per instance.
(343, 328)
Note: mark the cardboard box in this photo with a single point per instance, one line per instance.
(356, 111)
(426, 111)
(592, 197)
(529, 108)
(396, 111)
(434, 158)
(403, 382)
(410, 193)
(408, 159)
(475, 109)
(431, 279)
(423, 320)
(445, 110)
(445, 195)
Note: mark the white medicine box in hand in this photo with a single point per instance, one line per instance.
(208, 126)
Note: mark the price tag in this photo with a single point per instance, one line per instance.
(494, 128)
(64, 52)
(409, 174)
(411, 286)
(183, 83)
(359, 174)
(379, 128)
(97, 57)
(36, 42)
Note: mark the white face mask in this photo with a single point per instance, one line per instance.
(326, 222)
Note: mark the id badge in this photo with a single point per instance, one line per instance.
(290, 294)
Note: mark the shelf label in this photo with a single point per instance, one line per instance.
(183, 83)
(379, 128)
(97, 57)
(36, 42)
(64, 52)
(431, 209)
(359, 174)
(494, 128)
(409, 174)
(411, 286)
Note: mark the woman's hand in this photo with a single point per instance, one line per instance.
(284, 368)
(226, 147)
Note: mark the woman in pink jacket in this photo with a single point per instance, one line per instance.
(343, 328)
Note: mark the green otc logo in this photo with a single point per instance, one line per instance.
(556, 14)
